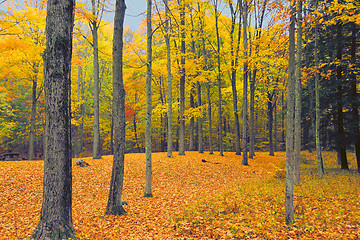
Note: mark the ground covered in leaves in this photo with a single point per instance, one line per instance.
(216, 199)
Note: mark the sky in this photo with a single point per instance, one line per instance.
(134, 13)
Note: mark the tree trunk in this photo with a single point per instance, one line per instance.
(245, 85)
(234, 60)
(219, 81)
(252, 115)
(56, 211)
(182, 79)
(96, 124)
(32, 121)
(289, 192)
(114, 205)
(200, 120)
(148, 174)
(168, 67)
(320, 164)
(297, 133)
(270, 123)
(192, 124)
(355, 97)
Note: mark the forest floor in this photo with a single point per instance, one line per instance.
(192, 199)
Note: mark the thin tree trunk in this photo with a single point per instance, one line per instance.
(192, 124)
(96, 124)
(234, 59)
(200, 120)
(320, 164)
(114, 205)
(148, 174)
(182, 79)
(32, 121)
(169, 76)
(219, 80)
(56, 211)
(270, 123)
(252, 115)
(275, 127)
(289, 191)
(297, 133)
(245, 85)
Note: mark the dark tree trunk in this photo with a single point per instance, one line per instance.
(270, 124)
(32, 121)
(245, 85)
(252, 115)
(56, 212)
(114, 205)
(192, 124)
(200, 120)
(340, 117)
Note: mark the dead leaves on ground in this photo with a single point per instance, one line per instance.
(192, 199)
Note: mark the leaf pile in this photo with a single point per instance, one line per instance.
(178, 183)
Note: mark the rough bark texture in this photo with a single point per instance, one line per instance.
(114, 205)
(96, 123)
(245, 85)
(169, 76)
(297, 133)
(289, 191)
(148, 174)
(56, 214)
(219, 80)
(192, 123)
(270, 123)
(252, 115)
(182, 80)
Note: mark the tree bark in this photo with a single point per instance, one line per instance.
(270, 123)
(320, 164)
(297, 133)
(234, 60)
(169, 76)
(289, 191)
(148, 174)
(32, 121)
(200, 120)
(96, 125)
(219, 80)
(56, 212)
(114, 205)
(182, 79)
(252, 115)
(192, 123)
(245, 85)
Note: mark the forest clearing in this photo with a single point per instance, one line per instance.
(193, 199)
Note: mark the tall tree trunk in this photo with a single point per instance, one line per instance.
(234, 60)
(209, 117)
(245, 85)
(289, 191)
(56, 211)
(148, 174)
(182, 79)
(275, 127)
(32, 121)
(297, 132)
(355, 97)
(96, 124)
(169, 76)
(320, 164)
(219, 80)
(114, 205)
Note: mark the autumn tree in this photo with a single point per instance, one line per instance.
(114, 205)
(289, 205)
(56, 212)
